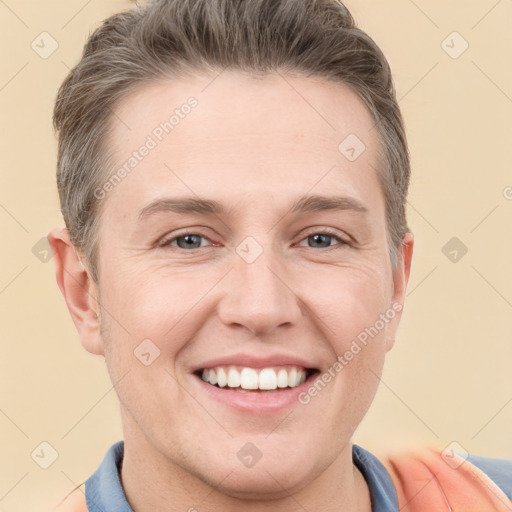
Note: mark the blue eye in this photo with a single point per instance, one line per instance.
(324, 239)
(188, 241)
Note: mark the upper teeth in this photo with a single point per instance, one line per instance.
(251, 378)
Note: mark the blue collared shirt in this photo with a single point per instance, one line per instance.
(103, 490)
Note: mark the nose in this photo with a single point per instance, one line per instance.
(259, 295)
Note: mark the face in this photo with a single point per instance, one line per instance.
(258, 277)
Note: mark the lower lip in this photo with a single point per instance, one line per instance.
(254, 402)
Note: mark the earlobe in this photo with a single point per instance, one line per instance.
(78, 289)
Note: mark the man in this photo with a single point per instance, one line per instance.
(233, 177)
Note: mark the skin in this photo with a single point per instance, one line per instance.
(256, 146)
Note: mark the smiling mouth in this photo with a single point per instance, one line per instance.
(256, 380)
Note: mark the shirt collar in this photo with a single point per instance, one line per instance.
(103, 490)
(382, 491)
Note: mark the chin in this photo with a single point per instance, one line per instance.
(263, 483)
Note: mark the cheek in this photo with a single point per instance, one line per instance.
(359, 354)
(156, 313)
(349, 304)
(153, 303)
(352, 310)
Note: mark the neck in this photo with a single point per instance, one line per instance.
(152, 481)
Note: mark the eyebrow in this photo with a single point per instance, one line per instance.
(203, 206)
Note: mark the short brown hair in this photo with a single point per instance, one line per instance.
(168, 38)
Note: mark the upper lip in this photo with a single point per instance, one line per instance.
(253, 361)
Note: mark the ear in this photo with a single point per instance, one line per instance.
(79, 290)
(400, 279)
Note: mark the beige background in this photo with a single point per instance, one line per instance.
(448, 377)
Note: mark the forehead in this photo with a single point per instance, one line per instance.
(232, 132)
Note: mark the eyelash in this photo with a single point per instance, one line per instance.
(342, 242)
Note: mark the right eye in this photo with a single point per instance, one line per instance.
(186, 241)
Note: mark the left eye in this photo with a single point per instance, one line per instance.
(324, 238)
(193, 240)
